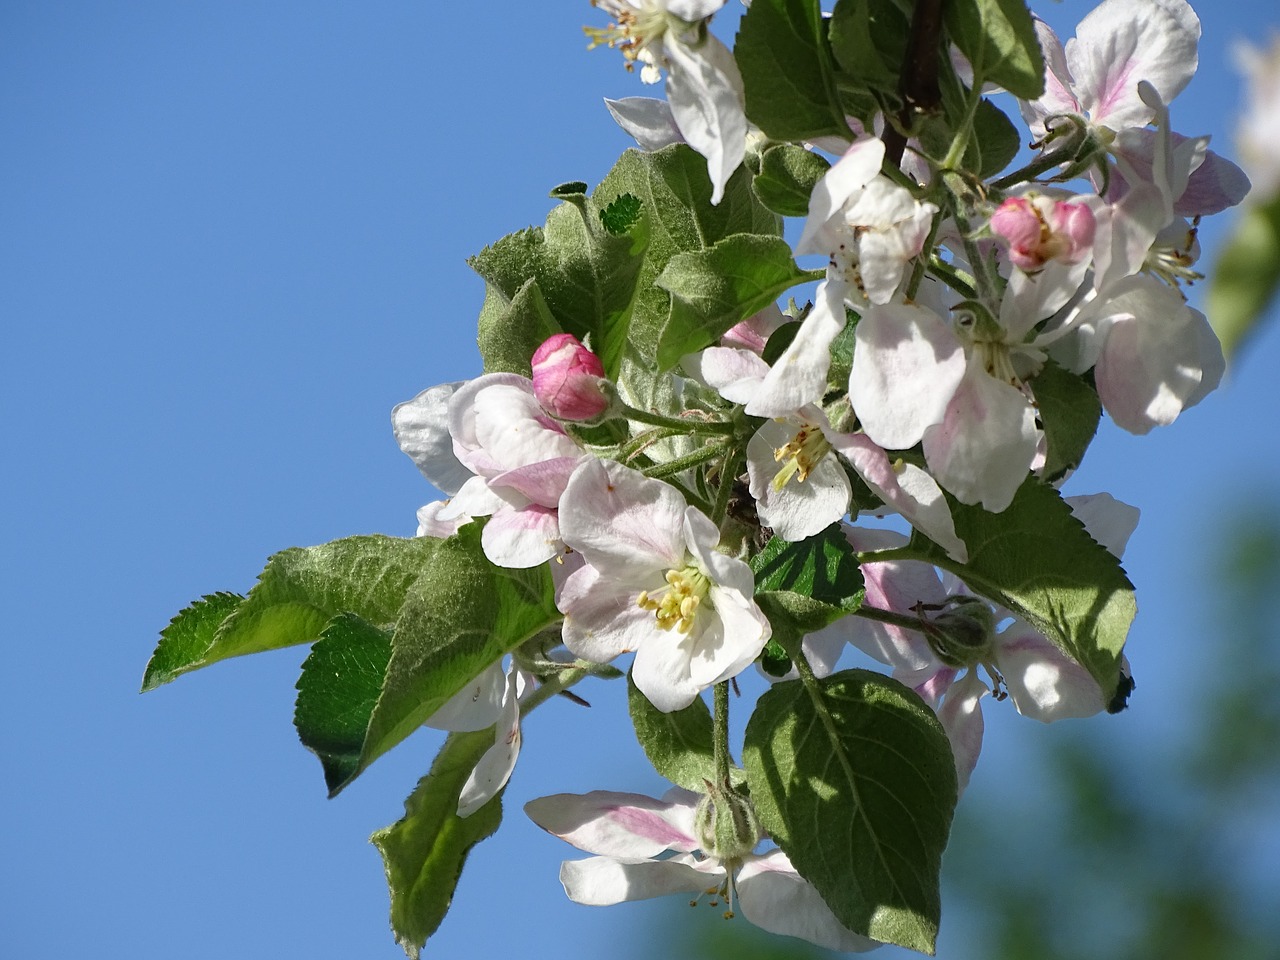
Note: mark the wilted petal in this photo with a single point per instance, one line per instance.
(961, 718)
(493, 770)
(476, 706)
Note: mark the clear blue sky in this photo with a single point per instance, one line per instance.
(232, 237)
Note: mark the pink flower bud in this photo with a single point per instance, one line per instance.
(1039, 229)
(567, 379)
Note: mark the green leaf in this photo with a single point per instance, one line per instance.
(621, 215)
(460, 616)
(1038, 560)
(788, 72)
(587, 276)
(824, 567)
(510, 330)
(995, 140)
(1069, 411)
(868, 40)
(298, 592)
(999, 40)
(787, 176)
(340, 682)
(1246, 275)
(715, 288)
(423, 853)
(187, 637)
(857, 784)
(678, 744)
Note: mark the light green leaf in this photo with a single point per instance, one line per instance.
(1246, 275)
(340, 682)
(678, 744)
(788, 72)
(460, 616)
(587, 275)
(510, 330)
(857, 784)
(1069, 411)
(1038, 560)
(187, 638)
(300, 590)
(715, 288)
(998, 38)
(787, 176)
(423, 853)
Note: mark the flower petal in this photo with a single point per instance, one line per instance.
(776, 898)
(604, 881)
(615, 824)
(421, 426)
(647, 120)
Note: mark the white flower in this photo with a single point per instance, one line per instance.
(647, 848)
(653, 582)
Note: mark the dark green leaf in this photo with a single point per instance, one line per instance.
(715, 288)
(995, 138)
(1246, 275)
(788, 72)
(423, 853)
(340, 682)
(860, 799)
(787, 176)
(187, 637)
(1000, 42)
(301, 589)
(459, 617)
(869, 39)
(824, 567)
(1038, 560)
(678, 744)
(1069, 412)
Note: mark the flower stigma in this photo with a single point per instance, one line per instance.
(677, 604)
(800, 456)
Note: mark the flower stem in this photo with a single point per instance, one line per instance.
(682, 424)
(720, 733)
(888, 616)
(681, 464)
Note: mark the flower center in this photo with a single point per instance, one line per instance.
(631, 31)
(800, 456)
(676, 605)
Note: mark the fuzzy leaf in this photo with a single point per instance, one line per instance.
(861, 800)
(787, 176)
(678, 744)
(423, 852)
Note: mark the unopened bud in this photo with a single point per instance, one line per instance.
(725, 823)
(567, 379)
(1038, 229)
(962, 633)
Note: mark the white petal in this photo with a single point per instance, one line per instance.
(522, 537)
(603, 881)
(615, 824)
(663, 667)
(776, 898)
(800, 508)
(800, 375)
(602, 619)
(704, 89)
(853, 171)
(906, 366)
(476, 706)
(647, 119)
(736, 374)
(493, 770)
(1043, 682)
(421, 426)
(961, 717)
(432, 524)
(1058, 96)
(1109, 521)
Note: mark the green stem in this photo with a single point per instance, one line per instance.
(681, 464)
(957, 280)
(728, 476)
(960, 142)
(720, 733)
(982, 266)
(1046, 162)
(888, 616)
(554, 686)
(814, 691)
(682, 424)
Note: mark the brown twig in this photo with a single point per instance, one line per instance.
(918, 82)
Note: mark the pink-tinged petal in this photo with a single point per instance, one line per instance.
(799, 508)
(522, 537)
(1210, 183)
(421, 426)
(431, 524)
(735, 374)
(568, 379)
(624, 523)
(853, 171)
(1058, 97)
(603, 881)
(497, 424)
(824, 648)
(475, 499)
(615, 824)
(1156, 358)
(647, 120)
(905, 488)
(776, 898)
(800, 375)
(753, 333)
(932, 683)
(961, 718)
(906, 366)
(542, 483)
(476, 706)
(1109, 521)
(983, 448)
(704, 89)
(493, 770)
(1043, 682)
(1122, 42)
(602, 618)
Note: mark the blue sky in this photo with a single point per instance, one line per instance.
(232, 237)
